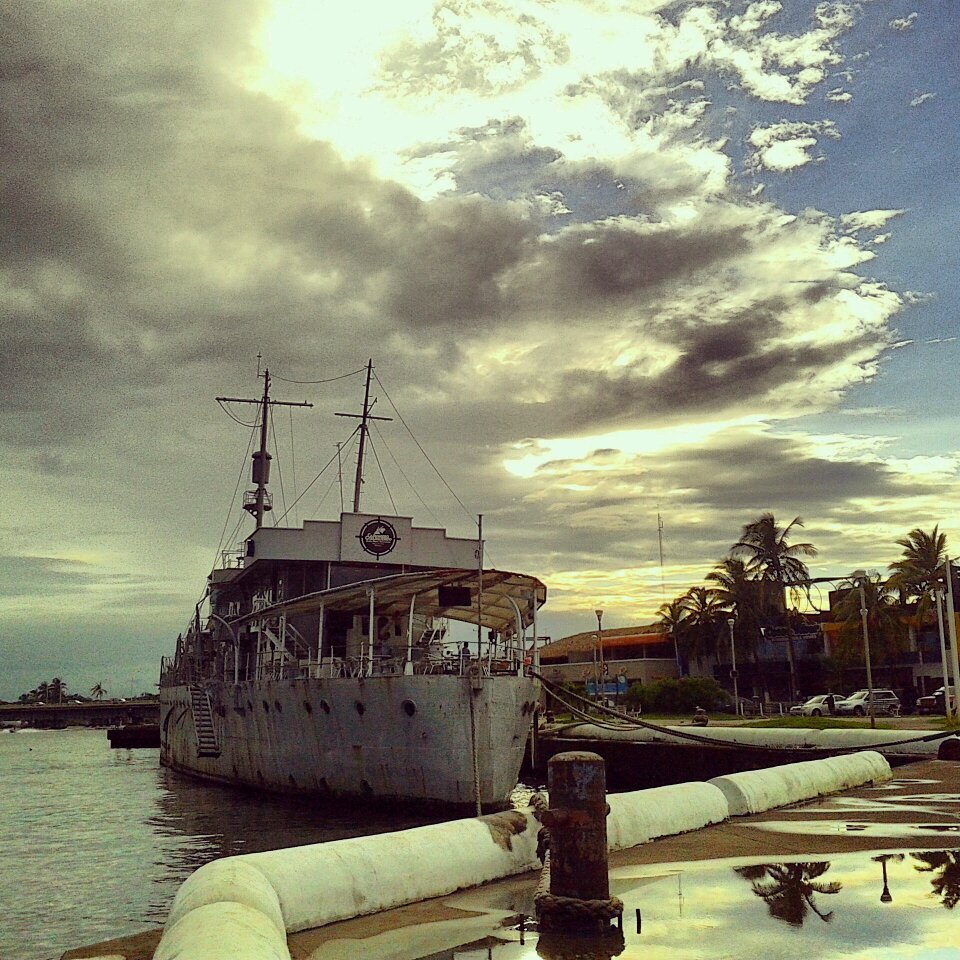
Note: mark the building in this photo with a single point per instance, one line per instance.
(642, 653)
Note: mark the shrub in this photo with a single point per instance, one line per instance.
(678, 696)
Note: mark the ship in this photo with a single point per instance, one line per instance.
(325, 659)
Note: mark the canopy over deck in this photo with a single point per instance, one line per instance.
(505, 595)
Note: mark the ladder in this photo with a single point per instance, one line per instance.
(207, 743)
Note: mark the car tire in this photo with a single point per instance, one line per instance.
(858, 711)
(894, 711)
(816, 713)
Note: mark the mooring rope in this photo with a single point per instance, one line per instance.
(627, 721)
(571, 908)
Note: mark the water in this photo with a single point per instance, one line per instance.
(94, 842)
(897, 906)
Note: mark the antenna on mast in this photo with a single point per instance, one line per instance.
(663, 586)
(364, 419)
(259, 501)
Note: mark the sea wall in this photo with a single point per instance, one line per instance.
(243, 907)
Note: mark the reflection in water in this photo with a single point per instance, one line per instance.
(788, 888)
(945, 867)
(885, 895)
(571, 946)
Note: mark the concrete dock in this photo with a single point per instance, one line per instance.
(917, 811)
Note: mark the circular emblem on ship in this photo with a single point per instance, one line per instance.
(378, 537)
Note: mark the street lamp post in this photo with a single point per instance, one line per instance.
(733, 668)
(939, 598)
(603, 666)
(954, 657)
(860, 577)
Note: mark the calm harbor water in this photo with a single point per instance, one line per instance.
(94, 842)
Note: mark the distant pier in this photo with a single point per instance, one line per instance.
(93, 713)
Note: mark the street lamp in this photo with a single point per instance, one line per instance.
(603, 667)
(733, 667)
(860, 578)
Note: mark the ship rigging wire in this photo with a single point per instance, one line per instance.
(383, 476)
(315, 479)
(235, 419)
(403, 474)
(276, 447)
(420, 447)
(233, 498)
(343, 376)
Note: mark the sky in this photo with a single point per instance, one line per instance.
(610, 259)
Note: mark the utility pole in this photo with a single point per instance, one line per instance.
(260, 473)
(954, 659)
(861, 577)
(364, 419)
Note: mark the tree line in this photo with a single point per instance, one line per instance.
(55, 691)
(749, 585)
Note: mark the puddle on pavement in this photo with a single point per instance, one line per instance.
(854, 904)
(868, 828)
(900, 783)
(900, 804)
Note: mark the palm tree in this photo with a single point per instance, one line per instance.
(916, 573)
(738, 594)
(771, 557)
(57, 689)
(672, 617)
(702, 620)
(789, 889)
(945, 867)
(97, 691)
(884, 623)
(43, 691)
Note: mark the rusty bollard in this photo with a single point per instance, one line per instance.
(579, 892)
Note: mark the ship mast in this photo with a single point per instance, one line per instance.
(258, 501)
(364, 419)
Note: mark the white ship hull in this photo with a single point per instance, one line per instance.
(405, 738)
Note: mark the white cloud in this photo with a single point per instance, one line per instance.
(786, 145)
(868, 219)
(903, 23)
(838, 95)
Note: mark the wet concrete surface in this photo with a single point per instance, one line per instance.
(871, 873)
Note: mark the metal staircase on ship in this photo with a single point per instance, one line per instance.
(207, 743)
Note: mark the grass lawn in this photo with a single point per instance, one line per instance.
(817, 723)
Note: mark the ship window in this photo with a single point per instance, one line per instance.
(360, 707)
(276, 704)
(409, 707)
(308, 706)
(324, 706)
(266, 707)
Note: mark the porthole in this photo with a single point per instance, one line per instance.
(409, 707)
(276, 704)
(266, 707)
(324, 706)
(308, 706)
(360, 707)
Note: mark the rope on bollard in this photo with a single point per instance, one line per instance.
(570, 908)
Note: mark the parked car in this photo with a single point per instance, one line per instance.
(814, 707)
(933, 702)
(858, 704)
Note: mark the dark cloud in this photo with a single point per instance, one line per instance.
(49, 576)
